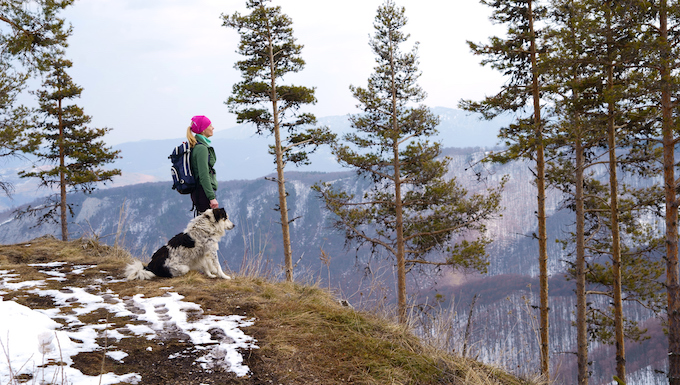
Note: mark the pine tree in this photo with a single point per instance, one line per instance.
(517, 57)
(28, 34)
(612, 114)
(415, 211)
(628, 243)
(662, 61)
(271, 52)
(613, 105)
(74, 151)
(574, 79)
(601, 111)
(659, 85)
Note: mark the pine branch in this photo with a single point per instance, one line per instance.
(423, 262)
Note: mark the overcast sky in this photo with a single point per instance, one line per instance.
(148, 66)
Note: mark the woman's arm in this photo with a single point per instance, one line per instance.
(203, 172)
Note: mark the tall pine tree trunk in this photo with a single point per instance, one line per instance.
(398, 208)
(540, 187)
(581, 326)
(62, 178)
(401, 259)
(616, 250)
(614, 209)
(283, 206)
(669, 142)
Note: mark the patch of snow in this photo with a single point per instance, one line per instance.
(117, 355)
(30, 337)
(56, 275)
(20, 285)
(142, 330)
(50, 264)
(170, 310)
(79, 269)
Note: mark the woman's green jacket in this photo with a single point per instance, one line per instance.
(202, 165)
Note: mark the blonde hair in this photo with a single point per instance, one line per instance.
(191, 138)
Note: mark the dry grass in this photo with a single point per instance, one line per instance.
(304, 335)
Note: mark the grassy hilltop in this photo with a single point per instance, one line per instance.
(303, 335)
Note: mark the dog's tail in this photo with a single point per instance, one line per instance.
(136, 270)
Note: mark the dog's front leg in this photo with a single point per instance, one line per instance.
(207, 267)
(215, 266)
(220, 273)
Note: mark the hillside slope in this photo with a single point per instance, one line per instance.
(194, 330)
(142, 217)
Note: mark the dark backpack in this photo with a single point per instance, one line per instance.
(183, 179)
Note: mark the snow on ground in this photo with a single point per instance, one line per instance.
(30, 338)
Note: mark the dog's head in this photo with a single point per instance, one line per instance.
(220, 217)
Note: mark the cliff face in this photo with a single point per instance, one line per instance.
(142, 217)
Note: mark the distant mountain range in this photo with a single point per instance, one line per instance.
(243, 155)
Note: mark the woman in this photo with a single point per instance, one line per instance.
(202, 162)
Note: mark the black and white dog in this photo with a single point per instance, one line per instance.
(194, 249)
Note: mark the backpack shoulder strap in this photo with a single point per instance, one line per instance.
(206, 146)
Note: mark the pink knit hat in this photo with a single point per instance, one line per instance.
(199, 123)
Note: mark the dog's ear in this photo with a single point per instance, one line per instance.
(220, 214)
